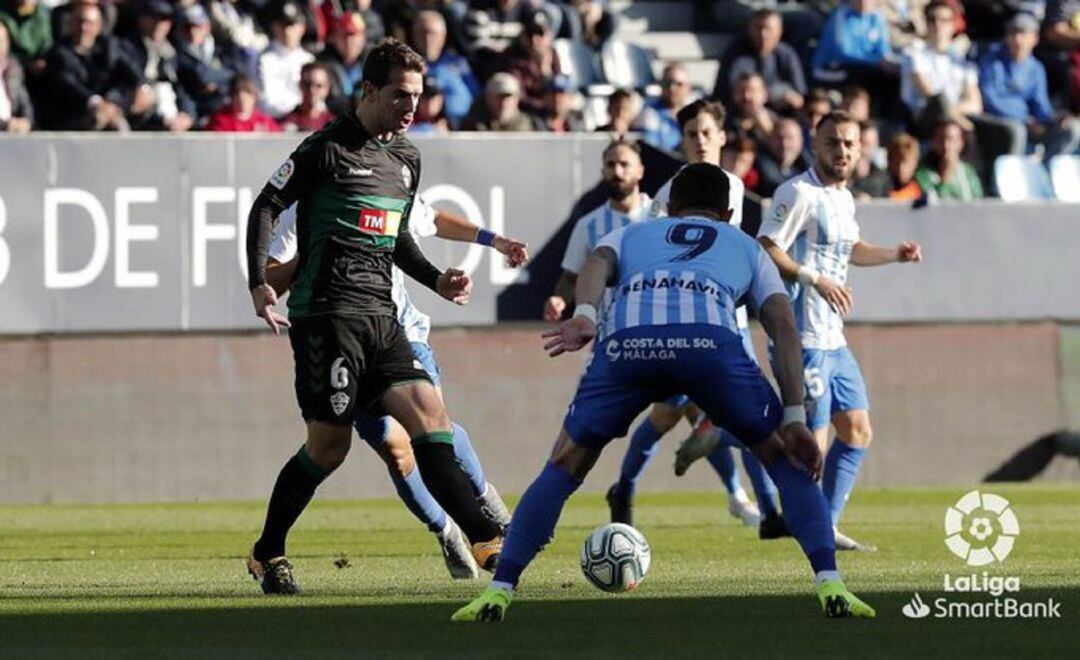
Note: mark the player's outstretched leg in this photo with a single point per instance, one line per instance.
(739, 504)
(532, 527)
(842, 464)
(390, 441)
(326, 448)
(417, 407)
(772, 525)
(491, 503)
(807, 515)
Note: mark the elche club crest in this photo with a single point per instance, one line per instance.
(406, 176)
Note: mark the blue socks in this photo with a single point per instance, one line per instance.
(764, 488)
(418, 499)
(468, 459)
(643, 446)
(533, 524)
(722, 461)
(806, 513)
(841, 470)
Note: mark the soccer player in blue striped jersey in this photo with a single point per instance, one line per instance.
(702, 126)
(811, 234)
(672, 329)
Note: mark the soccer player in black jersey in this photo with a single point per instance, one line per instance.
(354, 182)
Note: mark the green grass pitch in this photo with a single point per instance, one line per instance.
(141, 581)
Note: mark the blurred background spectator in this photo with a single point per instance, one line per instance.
(748, 116)
(562, 117)
(233, 23)
(16, 109)
(29, 28)
(621, 109)
(205, 66)
(854, 46)
(944, 174)
(430, 117)
(657, 120)
(91, 84)
(155, 57)
(855, 100)
(280, 63)
(783, 157)
(344, 57)
(499, 107)
(532, 58)
(242, 114)
(739, 157)
(450, 69)
(903, 160)
(869, 180)
(761, 51)
(312, 113)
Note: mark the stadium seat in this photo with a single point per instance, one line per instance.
(1020, 179)
(580, 63)
(1065, 175)
(627, 65)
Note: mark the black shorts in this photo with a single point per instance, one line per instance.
(344, 364)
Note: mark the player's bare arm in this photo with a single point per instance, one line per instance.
(778, 320)
(260, 231)
(868, 254)
(595, 277)
(839, 297)
(454, 227)
(556, 304)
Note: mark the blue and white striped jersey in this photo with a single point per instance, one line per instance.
(816, 225)
(593, 226)
(416, 324)
(685, 270)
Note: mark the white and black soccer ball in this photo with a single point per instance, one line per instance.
(615, 557)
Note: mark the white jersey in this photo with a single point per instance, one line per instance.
(736, 193)
(415, 323)
(593, 226)
(816, 225)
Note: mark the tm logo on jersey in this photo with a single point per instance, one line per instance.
(377, 221)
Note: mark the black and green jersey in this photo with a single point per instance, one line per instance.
(353, 194)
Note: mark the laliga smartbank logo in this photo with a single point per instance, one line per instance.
(981, 529)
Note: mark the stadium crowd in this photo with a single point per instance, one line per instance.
(975, 79)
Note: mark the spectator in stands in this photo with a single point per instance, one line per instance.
(749, 116)
(90, 83)
(854, 46)
(903, 162)
(205, 66)
(373, 22)
(944, 175)
(937, 83)
(563, 117)
(762, 52)
(233, 24)
(16, 109)
(491, 26)
(855, 100)
(156, 58)
(622, 108)
(1014, 88)
(455, 76)
(344, 59)
(591, 20)
(280, 63)
(29, 30)
(818, 104)
(533, 60)
(430, 117)
(906, 20)
(869, 181)
(738, 157)
(498, 109)
(242, 114)
(783, 157)
(657, 120)
(312, 113)
(1061, 31)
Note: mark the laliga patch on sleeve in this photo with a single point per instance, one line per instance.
(282, 175)
(781, 211)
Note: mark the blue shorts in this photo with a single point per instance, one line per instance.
(373, 428)
(834, 384)
(680, 400)
(638, 366)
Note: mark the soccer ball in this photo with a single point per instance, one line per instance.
(615, 557)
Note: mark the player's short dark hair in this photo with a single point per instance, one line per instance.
(316, 65)
(691, 111)
(837, 117)
(701, 186)
(622, 141)
(763, 13)
(391, 54)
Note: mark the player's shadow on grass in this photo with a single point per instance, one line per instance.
(635, 626)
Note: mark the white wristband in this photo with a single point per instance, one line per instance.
(794, 414)
(586, 310)
(807, 275)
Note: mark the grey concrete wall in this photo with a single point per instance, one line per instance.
(187, 417)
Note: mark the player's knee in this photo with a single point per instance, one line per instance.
(664, 417)
(859, 434)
